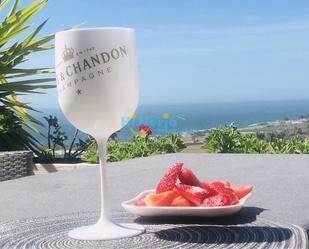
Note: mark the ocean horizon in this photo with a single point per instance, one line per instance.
(169, 118)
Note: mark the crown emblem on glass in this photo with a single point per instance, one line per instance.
(68, 53)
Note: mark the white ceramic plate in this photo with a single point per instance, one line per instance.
(180, 211)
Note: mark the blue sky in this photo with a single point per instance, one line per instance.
(200, 50)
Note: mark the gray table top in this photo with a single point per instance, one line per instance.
(281, 184)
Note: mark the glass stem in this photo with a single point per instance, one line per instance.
(105, 212)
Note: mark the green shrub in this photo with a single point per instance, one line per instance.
(90, 154)
(305, 146)
(292, 146)
(141, 145)
(228, 139)
(251, 144)
(278, 145)
(224, 139)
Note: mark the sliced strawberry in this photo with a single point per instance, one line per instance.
(221, 199)
(192, 193)
(225, 190)
(234, 198)
(161, 199)
(140, 202)
(228, 191)
(187, 177)
(205, 185)
(168, 181)
(210, 187)
(217, 185)
(175, 188)
(242, 190)
(180, 201)
(226, 183)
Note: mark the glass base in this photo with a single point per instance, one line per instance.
(106, 230)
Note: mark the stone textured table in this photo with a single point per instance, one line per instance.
(281, 184)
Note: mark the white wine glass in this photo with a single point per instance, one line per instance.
(97, 85)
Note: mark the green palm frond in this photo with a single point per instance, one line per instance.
(3, 3)
(16, 124)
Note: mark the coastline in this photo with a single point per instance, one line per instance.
(195, 118)
(283, 128)
(195, 139)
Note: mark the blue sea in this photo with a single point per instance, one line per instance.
(164, 119)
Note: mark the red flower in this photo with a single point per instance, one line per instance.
(144, 129)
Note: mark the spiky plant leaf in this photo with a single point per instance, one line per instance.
(16, 124)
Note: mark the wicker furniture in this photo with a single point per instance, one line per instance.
(15, 164)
